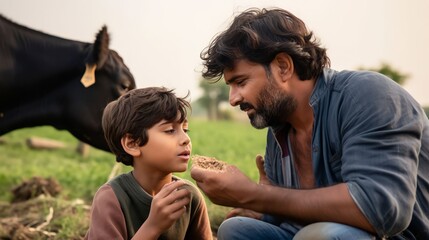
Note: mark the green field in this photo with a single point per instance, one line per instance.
(234, 142)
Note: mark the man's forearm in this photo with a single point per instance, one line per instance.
(330, 204)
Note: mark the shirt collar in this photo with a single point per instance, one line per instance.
(323, 82)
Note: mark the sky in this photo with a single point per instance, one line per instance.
(161, 41)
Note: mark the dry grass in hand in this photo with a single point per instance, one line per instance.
(209, 163)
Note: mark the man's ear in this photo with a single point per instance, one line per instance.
(130, 145)
(284, 65)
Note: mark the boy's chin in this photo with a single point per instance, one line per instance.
(181, 169)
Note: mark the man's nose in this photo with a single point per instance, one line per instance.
(234, 97)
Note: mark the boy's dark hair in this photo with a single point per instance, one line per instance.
(137, 111)
(258, 35)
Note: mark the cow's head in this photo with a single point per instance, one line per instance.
(112, 79)
(47, 80)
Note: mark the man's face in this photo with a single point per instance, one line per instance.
(258, 94)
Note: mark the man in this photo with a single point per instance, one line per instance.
(347, 154)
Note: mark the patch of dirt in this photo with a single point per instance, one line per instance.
(35, 214)
(35, 187)
(40, 218)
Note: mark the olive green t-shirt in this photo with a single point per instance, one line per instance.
(121, 206)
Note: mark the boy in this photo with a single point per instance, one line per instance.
(147, 129)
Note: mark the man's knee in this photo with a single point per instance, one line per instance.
(332, 231)
(233, 228)
(248, 228)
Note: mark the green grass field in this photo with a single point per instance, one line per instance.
(234, 142)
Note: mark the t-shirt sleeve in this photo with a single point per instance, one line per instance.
(107, 220)
(199, 226)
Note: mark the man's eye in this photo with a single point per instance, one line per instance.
(241, 83)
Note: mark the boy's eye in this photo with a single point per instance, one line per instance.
(170, 131)
(186, 130)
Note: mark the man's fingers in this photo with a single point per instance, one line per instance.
(234, 212)
(244, 213)
(260, 163)
(197, 174)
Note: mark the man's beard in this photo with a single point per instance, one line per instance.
(273, 107)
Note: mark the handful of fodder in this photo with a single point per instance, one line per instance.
(209, 163)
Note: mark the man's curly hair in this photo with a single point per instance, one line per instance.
(258, 35)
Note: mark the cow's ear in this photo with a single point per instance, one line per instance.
(101, 47)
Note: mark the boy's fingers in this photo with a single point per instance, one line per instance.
(168, 188)
(177, 195)
(175, 214)
(178, 205)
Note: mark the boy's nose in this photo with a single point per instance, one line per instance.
(186, 139)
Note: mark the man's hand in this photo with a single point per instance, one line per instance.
(243, 213)
(262, 180)
(228, 188)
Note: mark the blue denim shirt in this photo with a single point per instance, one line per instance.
(371, 134)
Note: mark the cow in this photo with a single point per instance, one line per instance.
(49, 80)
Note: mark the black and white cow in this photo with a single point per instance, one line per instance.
(48, 80)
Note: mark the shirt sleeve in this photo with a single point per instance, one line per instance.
(381, 130)
(107, 220)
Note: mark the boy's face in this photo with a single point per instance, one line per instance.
(168, 149)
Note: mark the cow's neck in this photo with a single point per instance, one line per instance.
(45, 59)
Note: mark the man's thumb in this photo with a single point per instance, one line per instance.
(260, 162)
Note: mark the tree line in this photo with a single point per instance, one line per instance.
(217, 92)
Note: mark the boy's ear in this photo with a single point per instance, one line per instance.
(285, 65)
(130, 145)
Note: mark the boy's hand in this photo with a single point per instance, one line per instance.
(167, 206)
